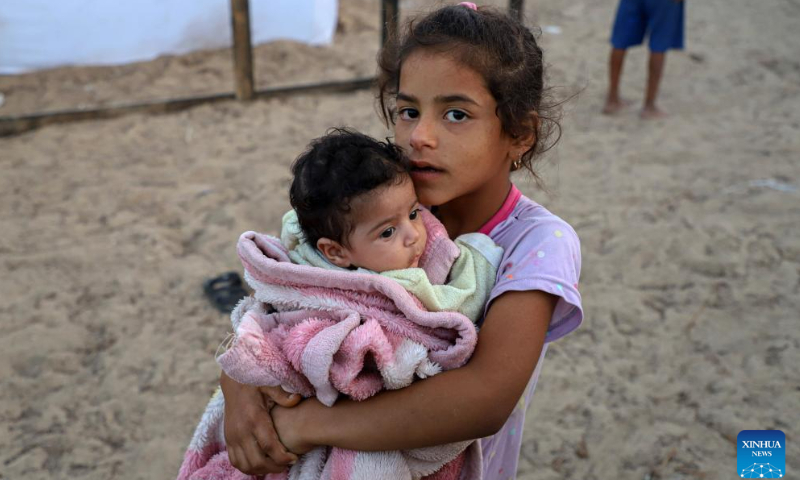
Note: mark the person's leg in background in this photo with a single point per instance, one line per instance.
(655, 70)
(665, 24)
(615, 63)
(628, 31)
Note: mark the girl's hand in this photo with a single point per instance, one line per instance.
(290, 425)
(253, 445)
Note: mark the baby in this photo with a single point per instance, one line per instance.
(368, 293)
(355, 209)
(354, 201)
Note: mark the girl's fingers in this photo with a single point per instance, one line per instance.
(257, 461)
(280, 396)
(271, 445)
(236, 459)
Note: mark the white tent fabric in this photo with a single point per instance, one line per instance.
(37, 34)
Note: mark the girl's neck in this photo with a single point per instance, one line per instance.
(468, 213)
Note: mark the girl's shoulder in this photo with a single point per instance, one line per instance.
(530, 223)
(541, 252)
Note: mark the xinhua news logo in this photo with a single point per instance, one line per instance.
(761, 454)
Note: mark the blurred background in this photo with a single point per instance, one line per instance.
(690, 229)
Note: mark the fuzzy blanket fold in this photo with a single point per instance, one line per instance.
(336, 332)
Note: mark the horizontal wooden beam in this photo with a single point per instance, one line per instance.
(12, 125)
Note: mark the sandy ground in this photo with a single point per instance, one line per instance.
(690, 229)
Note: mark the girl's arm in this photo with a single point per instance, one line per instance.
(470, 402)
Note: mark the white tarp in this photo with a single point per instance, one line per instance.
(36, 34)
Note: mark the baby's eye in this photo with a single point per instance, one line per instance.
(387, 233)
(408, 113)
(414, 214)
(455, 116)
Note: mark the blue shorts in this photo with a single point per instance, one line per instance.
(661, 19)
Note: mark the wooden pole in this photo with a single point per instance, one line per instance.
(389, 17)
(515, 8)
(242, 49)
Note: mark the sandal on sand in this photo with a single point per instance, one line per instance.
(224, 291)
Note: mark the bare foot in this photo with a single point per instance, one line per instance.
(613, 107)
(652, 113)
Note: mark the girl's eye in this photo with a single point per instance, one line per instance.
(408, 114)
(455, 116)
(414, 214)
(387, 233)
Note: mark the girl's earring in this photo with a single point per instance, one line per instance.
(517, 164)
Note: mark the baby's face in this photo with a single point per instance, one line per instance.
(389, 233)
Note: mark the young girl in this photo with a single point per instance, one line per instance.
(468, 86)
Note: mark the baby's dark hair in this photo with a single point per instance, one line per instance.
(332, 172)
(500, 48)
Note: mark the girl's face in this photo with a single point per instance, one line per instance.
(447, 125)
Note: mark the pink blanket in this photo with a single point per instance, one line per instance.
(338, 333)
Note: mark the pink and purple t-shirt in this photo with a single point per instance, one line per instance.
(541, 252)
